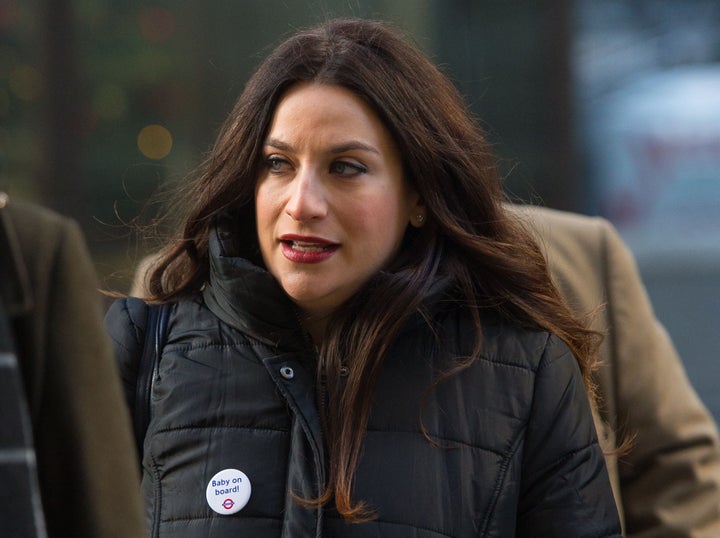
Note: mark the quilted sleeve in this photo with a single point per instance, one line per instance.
(565, 489)
(125, 323)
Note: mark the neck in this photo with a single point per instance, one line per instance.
(315, 326)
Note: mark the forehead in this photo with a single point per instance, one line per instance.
(318, 107)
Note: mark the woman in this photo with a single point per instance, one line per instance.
(361, 342)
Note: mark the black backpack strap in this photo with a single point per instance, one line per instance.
(155, 334)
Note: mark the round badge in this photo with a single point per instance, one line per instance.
(228, 491)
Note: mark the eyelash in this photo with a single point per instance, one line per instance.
(273, 162)
(355, 167)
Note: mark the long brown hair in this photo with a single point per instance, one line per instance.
(468, 235)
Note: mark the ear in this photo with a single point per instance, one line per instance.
(418, 211)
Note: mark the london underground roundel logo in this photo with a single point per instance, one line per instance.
(228, 491)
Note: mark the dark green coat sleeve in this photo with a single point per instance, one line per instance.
(86, 459)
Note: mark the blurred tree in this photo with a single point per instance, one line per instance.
(106, 100)
(21, 89)
(61, 181)
(511, 60)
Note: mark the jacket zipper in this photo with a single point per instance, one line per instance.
(321, 392)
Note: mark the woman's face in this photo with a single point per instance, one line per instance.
(332, 204)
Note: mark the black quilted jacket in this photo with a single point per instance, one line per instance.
(515, 453)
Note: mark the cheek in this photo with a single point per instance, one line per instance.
(265, 209)
(383, 222)
(265, 217)
(365, 217)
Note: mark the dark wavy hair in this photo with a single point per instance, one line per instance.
(468, 236)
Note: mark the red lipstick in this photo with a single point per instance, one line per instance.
(307, 249)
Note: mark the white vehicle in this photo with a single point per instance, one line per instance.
(655, 150)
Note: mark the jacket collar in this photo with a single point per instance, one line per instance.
(248, 297)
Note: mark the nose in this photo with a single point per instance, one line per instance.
(307, 197)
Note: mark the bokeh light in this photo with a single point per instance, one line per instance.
(157, 24)
(8, 13)
(26, 82)
(110, 102)
(155, 141)
(87, 121)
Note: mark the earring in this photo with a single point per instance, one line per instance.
(419, 218)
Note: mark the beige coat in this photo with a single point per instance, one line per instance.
(87, 467)
(668, 484)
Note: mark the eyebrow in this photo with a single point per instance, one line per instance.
(340, 148)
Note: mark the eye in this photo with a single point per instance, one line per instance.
(347, 169)
(277, 164)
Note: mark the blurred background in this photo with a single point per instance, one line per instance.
(607, 108)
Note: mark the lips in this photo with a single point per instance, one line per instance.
(303, 249)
